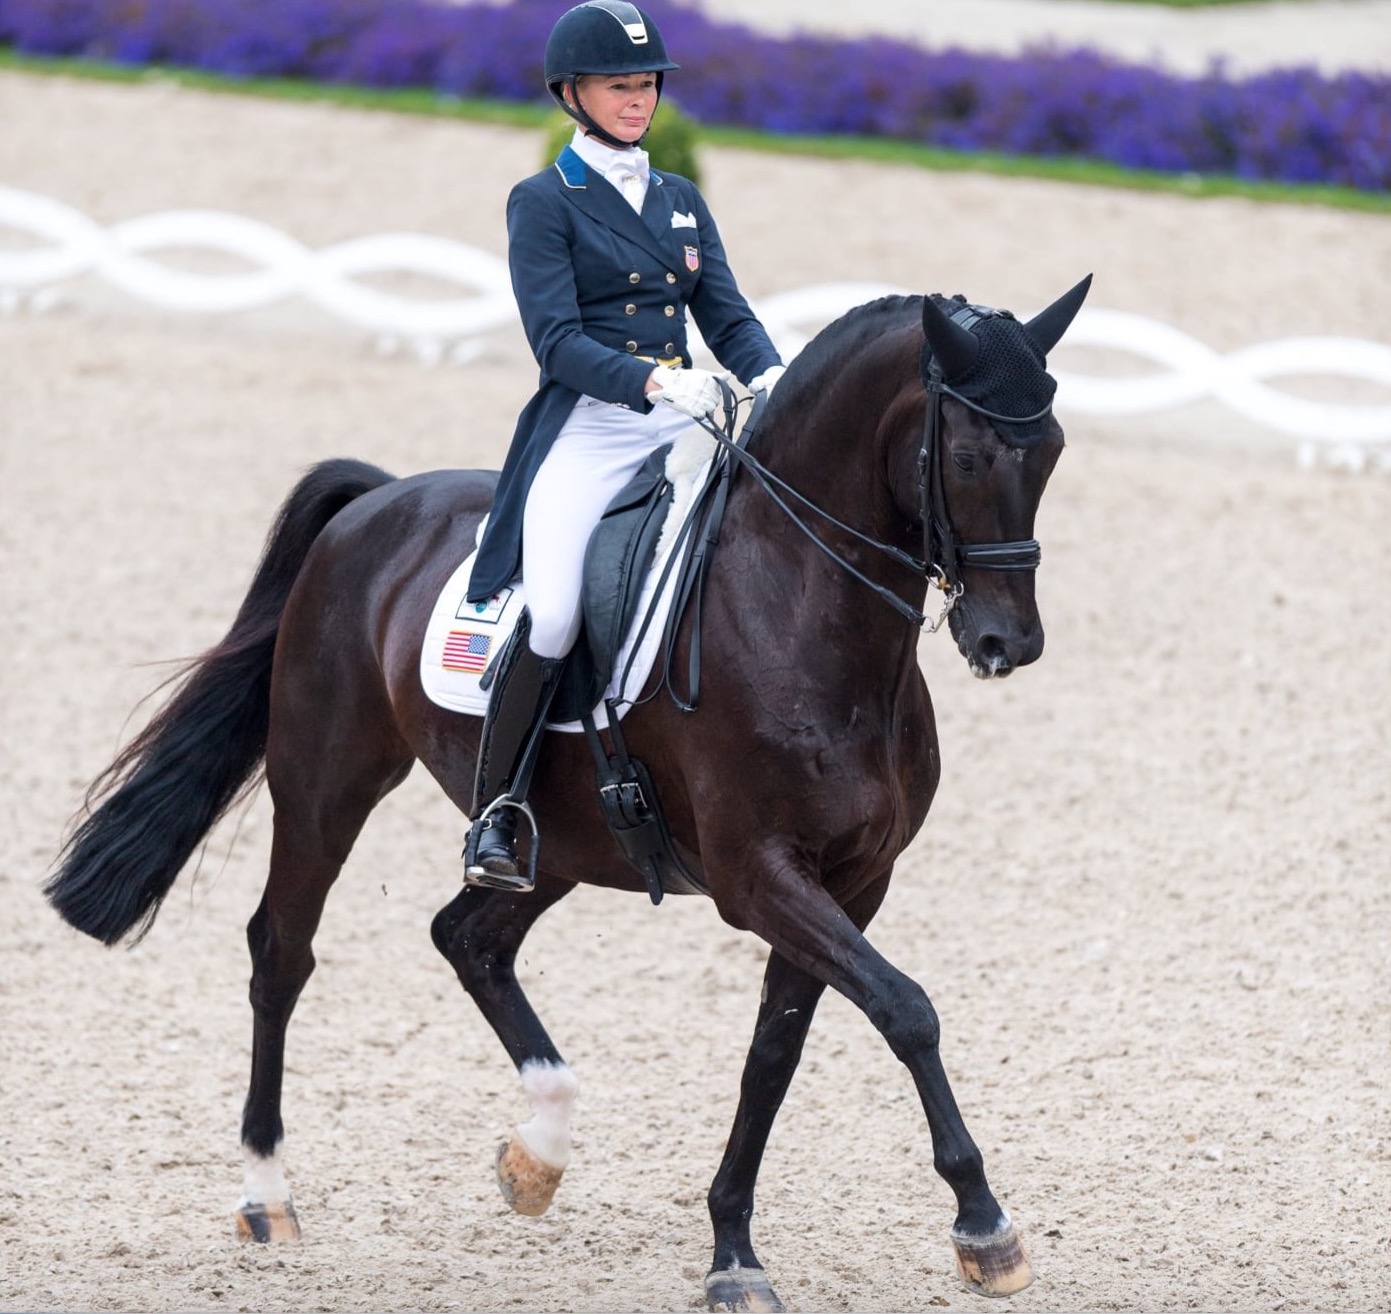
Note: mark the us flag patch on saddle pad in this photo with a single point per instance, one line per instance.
(465, 650)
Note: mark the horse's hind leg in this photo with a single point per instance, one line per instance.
(315, 827)
(480, 933)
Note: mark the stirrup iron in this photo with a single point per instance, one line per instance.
(523, 880)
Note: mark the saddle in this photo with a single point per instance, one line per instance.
(617, 560)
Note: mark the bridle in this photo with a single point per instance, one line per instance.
(944, 556)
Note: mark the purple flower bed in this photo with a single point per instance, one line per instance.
(1293, 125)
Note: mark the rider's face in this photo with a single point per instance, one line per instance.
(621, 105)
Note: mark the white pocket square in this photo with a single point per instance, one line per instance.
(679, 220)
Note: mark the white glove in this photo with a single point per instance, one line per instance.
(766, 381)
(693, 392)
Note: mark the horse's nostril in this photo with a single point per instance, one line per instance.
(991, 656)
(991, 648)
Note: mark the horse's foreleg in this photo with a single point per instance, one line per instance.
(480, 933)
(736, 1280)
(803, 923)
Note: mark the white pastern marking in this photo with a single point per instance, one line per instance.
(552, 1089)
(264, 1180)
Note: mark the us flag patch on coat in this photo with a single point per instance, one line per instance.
(692, 258)
(466, 651)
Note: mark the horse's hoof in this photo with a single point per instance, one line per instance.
(993, 1265)
(741, 1289)
(527, 1184)
(267, 1223)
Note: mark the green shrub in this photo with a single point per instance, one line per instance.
(671, 141)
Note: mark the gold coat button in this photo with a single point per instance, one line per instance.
(630, 309)
(635, 277)
(668, 311)
(671, 278)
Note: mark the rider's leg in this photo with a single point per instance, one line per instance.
(522, 691)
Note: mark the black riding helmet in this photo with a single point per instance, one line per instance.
(603, 37)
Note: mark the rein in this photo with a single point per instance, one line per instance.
(944, 555)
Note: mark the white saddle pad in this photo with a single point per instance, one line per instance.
(462, 637)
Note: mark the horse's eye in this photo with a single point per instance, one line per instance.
(964, 461)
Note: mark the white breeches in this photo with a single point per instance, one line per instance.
(599, 449)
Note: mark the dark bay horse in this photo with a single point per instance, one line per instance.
(921, 431)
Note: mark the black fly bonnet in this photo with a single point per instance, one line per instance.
(1008, 375)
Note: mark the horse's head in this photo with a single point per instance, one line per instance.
(991, 444)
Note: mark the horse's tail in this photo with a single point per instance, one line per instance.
(171, 784)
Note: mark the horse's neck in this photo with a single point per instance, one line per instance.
(840, 454)
(833, 438)
(842, 442)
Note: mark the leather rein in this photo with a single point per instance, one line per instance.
(944, 555)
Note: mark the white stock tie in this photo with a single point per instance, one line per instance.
(629, 171)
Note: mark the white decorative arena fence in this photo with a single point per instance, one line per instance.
(48, 244)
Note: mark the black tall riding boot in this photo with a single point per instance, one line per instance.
(511, 738)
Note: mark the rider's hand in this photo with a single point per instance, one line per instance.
(693, 392)
(766, 381)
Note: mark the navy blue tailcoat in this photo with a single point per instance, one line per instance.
(599, 286)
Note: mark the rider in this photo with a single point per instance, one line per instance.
(606, 257)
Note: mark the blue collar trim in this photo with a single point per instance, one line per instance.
(571, 168)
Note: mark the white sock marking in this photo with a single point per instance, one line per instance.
(264, 1181)
(552, 1089)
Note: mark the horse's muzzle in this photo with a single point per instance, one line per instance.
(994, 652)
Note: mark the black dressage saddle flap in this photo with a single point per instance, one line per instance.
(620, 553)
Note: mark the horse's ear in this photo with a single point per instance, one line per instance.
(1049, 325)
(954, 348)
